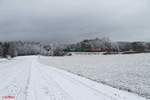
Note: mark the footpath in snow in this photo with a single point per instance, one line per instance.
(24, 78)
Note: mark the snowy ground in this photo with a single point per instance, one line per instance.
(25, 78)
(127, 72)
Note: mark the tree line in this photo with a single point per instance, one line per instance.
(19, 48)
(106, 45)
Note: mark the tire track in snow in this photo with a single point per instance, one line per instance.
(16, 84)
(54, 73)
(53, 89)
(24, 92)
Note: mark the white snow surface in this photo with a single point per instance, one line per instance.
(129, 72)
(25, 78)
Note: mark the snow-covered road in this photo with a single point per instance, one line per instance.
(24, 78)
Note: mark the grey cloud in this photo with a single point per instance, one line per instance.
(73, 20)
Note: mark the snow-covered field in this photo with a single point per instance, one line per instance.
(25, 78)
(127, 72)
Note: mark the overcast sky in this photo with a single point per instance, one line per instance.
(73, 20)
